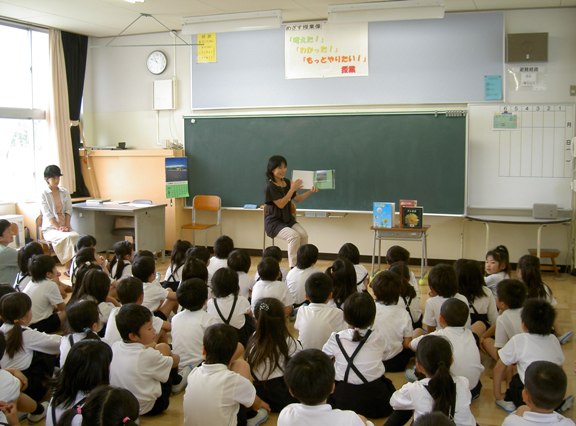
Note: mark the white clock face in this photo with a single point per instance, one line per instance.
(156, 62)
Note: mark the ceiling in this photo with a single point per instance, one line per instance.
(105, 18)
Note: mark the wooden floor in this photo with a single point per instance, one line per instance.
(484, 409)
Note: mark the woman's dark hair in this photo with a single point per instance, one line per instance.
(274, 162)
(225, 282)
(239, 260)
(529, 267)
(40, 265)
(25, 253)
(95, 282)
(87, 366)
(105, 406)
(343, 277)
(350, 252)
(405, 289)
(359, 312)
(194, 268)
(268, 347)
(81, 315)
(470, 279)
(14, 307)
(121, 249)
(434, 354)
(178, 255)
(500, 254)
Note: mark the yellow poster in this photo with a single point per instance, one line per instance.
(206, 48)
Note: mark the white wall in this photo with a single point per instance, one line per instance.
(118, 107)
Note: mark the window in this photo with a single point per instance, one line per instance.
(25, 147)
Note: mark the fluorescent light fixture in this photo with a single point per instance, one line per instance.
(134, 1)
(229, 22)
(395, 10)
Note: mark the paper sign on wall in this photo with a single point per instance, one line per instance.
(206, 50)
(318, 50)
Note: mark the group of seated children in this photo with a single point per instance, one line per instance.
(233, 354)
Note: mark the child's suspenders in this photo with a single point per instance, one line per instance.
(226, 320)
(350, 359)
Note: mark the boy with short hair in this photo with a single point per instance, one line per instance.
(223, 246)
(131, 290)
(138, 365)
(443, 285)
(188, 327)
(317, 321)
(297, 276)
(161, 301)
(510, 297)
(466, 357)
(239, 261)
(544, 390)
(310, 378)
(536, 344)
(269, 286)
(218, 387)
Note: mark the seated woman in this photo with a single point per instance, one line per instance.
(56, 206)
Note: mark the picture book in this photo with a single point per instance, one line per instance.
(411, 217)
(408, 203)
(321, 179)
(383, 214)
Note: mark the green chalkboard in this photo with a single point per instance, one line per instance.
(377, 157)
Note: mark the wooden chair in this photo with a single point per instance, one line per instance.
(46, 245)
(204, 203)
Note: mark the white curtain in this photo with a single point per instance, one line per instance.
(59, 112)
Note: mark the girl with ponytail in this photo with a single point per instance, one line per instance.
(361, 385)
(439, 391)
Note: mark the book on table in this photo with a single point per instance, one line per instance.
(383, 214)
(411, 217)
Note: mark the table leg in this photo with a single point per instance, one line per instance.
(539, 239)
(373, 254)
(487, 241)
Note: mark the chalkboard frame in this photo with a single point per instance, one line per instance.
(227, 156)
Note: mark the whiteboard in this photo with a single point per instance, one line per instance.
(515, 168)
(410, 62)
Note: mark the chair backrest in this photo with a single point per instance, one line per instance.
(209, 203)
(38, 221)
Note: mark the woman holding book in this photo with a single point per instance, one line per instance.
(56, 206)
(279, 210)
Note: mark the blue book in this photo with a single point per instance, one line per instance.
(383, 215)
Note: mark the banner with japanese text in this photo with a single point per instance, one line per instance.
(319, 50)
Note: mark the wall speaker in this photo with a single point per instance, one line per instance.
(527, 47)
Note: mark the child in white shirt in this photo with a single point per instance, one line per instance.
(269, 286)
(239, 261)
(392, 320)
(439, 391)
(317, 321)
(351, 252)
(228, 307)
(221, 384)
(297, 276)
(24, 255)
(497, 267)
(223, 246)
(120, 266)
(161, 301)
(443, 285)
(358, 352)
(138, 365)
(188, 327)
(276, 253)
(510, 298)
(45, 295)
(310, 378)
(173, 274)
(545, 385)
(536, 344)
(409, 298)
(400, 254)
(466, 363)
(84, 323)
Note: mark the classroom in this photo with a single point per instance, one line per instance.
(247, 82)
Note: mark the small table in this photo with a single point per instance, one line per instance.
(516, 220)
(400, 234)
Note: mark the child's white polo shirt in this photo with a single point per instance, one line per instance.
(314, 415)
(393, 322)
(525, 348)
(154, 295)
(531, 418)
(296, 282)
(113, 335)
(214, 394)
(275, 289)
(508, 324)
(32, 341)
(316, 322)
(45, 295)
(432, 310)
(140, 370)
(225, 305)
(187, 333)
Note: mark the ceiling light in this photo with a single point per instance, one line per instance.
(232, 22)
(398, 10)
(134, 1)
